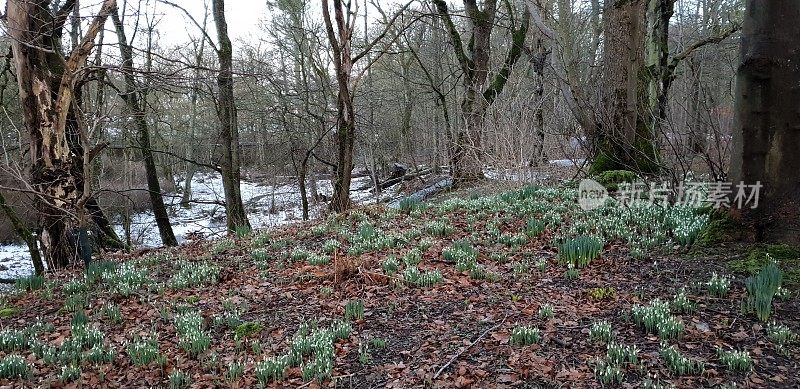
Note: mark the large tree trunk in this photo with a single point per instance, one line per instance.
(625, 139)
(659, 13)
(766, 136)
(45, 81)
(132, 97)
(229, 131)
(345, 141)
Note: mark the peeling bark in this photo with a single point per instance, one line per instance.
(46, 81)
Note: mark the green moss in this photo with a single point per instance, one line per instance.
(788, 258)
(719, 229)
(612, 178)
(645, 159)
(607, 293)
(8, 312)
(604, 162)
(246, 329)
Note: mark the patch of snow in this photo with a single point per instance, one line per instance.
(15, 261)
(526, 174)
(567, 162)
(266, 206)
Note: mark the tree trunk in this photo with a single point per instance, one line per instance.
(109, 237)
(698, 142)
(766, 136)
(301, 182)
(191, 169)
(406, 131)
(344, 150)
(341, 44)
(625, 138)
(132, 98)
(229, 134)
(467, 152)
(657, 74)
(45, 82)
(467, 155)
(539, 58)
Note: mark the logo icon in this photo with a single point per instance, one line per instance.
(591, 195)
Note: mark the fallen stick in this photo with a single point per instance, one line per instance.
(453, 359)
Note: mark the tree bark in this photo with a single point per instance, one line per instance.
(229, 131)
(132, 99)
(341, 44)
(467, 156)
(625, 137)
(766, 133)
(45, 81)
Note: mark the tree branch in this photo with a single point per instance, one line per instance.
(386, 29)
(455, 38)
(77, 57)
(517, 42)
(708, 40)
(194, 21)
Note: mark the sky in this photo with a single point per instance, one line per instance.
(243, 17)
(175, 28)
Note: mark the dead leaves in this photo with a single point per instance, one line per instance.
(425, 328)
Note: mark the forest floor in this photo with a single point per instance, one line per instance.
(469, 291)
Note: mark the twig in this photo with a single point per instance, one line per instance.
(559, 341)
(450, 362)
(332, 378)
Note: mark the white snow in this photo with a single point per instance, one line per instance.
(15, 261)
(266, 206)
(522, 174)
(567, 162)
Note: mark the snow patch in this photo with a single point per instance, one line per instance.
(266, 206)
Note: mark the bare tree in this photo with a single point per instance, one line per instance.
(341, 41)
(134, 97)
(474, 61)
(191, 168)
(229, 131)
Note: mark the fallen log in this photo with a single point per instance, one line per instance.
(426, 192)
(396, 180)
